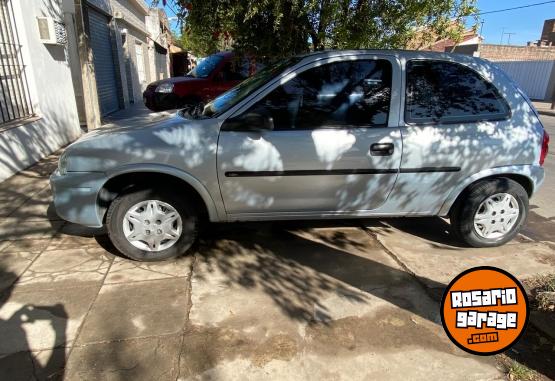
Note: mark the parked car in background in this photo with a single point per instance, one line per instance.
(214, 75)
(336, 134)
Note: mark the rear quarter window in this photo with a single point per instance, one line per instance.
(448, 92)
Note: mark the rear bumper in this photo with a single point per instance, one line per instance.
(538, 175)
(76, 197)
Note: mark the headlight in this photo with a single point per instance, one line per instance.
(62, 164)
(164, 88)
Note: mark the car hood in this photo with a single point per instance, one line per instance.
(174, 139)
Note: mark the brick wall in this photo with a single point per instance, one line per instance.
(516, 53)
(548, 31)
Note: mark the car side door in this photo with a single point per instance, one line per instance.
(323, 140)
(456, 123)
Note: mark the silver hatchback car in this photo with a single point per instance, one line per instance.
(335, 134)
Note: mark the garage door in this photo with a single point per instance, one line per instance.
(104, 63)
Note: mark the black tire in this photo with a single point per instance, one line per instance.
(462, 215)
(119, 207)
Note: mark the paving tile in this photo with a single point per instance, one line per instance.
(35, 246)
(38, 207)
(16, 190)
(291, 273)
(42, 365)
(17, 367)
(50, 364)
(138, 309)
(315, 303)
(153, 358)
(42, 319)
(73, 236)
(13, 228)
(436, 261)
(125, 270)
(12, 266)
(67, 266)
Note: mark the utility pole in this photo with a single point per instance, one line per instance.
(502, 34)
(481, 27)
(509, 37)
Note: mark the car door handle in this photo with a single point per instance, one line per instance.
(381, 149)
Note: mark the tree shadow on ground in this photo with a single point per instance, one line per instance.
(17, 361)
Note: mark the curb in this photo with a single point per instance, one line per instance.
(546, 112)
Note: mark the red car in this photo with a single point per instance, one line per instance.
(212, 76)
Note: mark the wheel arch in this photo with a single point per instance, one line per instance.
(524, 175)
(136, 175)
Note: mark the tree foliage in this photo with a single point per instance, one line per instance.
(276, 28)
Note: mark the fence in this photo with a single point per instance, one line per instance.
(534, 77)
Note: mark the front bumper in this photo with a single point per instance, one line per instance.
(76, 197)
(160, 101)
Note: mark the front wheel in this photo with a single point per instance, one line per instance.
(151, 224)
(490, 213)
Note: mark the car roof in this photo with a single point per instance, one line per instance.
(399, 53)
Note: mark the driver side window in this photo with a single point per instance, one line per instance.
(343, 94)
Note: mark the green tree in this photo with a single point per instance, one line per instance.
(276, 28)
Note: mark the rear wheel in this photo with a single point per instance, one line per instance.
(151, 224)
(490, 213)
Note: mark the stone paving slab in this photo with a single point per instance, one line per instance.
(37, 207)
(12, 266)
(41, 365)
(41, 319)
(152, 358)
(428, 251)
(13, 228)
(63, 267)
(124, 270)
(140, 309)
(35, 246)
(315, 303)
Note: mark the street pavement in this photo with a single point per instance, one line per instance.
(339, 300)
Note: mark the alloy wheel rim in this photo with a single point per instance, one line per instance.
(496, 216)
(152, 225)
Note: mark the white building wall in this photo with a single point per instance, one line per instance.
(133, 19)
(133, 12)
(159, 63)
(51, 90)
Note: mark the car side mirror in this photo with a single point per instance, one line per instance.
(249, 122)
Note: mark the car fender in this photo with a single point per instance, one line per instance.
(213, 214)
(534, 173)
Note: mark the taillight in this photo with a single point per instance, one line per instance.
(545, 147)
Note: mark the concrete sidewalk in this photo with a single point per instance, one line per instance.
(544, 108)
(136, 115)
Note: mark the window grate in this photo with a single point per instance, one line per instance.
(15, 103)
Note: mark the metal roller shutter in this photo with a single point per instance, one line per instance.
(104, 63)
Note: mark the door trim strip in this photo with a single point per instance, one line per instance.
(332, 172)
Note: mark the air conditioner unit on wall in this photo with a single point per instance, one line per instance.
(51, 32)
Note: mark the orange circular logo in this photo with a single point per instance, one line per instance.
(484, 310)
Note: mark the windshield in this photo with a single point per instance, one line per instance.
(231, 97)
(205, 67)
